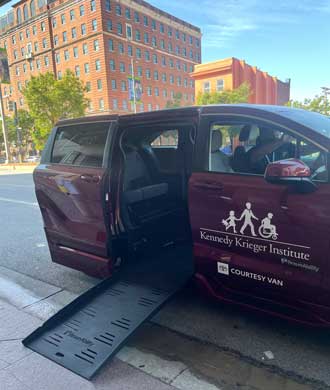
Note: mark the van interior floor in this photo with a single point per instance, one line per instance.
(90, 330)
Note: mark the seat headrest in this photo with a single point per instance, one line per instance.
(245, 133)
(216, 140)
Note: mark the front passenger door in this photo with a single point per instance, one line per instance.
(249, 235)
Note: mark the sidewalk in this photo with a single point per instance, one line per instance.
(25, 303)
(6, 169)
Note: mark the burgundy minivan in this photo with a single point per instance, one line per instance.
(246, 186)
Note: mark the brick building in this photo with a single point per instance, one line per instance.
(100, 40)
(230, 73)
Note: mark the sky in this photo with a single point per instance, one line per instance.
(286, 38)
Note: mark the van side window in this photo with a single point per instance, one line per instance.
(80, 145)
(166, 138)
(248, 148)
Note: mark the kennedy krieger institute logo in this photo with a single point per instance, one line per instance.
(265, 230)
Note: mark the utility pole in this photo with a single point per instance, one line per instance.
(133, 80)
(4, 128)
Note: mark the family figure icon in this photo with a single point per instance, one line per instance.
(265, 230)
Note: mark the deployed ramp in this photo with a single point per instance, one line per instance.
(87, 332)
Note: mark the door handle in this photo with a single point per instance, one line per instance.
(90, 178)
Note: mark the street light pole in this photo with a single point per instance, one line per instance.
(133, 82)
(4, 128)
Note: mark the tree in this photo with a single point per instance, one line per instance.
(238, 95)
(50, 99)
(175, 102)
(320, 104)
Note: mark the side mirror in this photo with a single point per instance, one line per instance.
(291, 172)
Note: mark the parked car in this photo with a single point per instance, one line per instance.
(32, 159)
(257, 215)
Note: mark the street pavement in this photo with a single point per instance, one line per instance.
(297, 357)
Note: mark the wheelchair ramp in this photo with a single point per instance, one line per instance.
(91, 329)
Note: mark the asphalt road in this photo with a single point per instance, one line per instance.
(298, 352)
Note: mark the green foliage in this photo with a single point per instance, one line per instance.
(320, 104)
(176, 102)
(50, 99)
(235, 96)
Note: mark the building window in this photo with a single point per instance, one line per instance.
(88, 86)
(46, 60)
(15, 54)
(115, 104)
(139, 71)
(86, 67)
(178, 81)
(112, 65)
(149, 91)
(13, 39)
(185, 83)
(165, 93)
(161, 28)
(155, 59)
(25, 12)
(121, 48)
(64, 36)
(206, 87)
(66, 55)
(20, 36)
(109, 25)
(156, 91)
(101, 104)
(153, 24)
(171, 63)
(171, 79)
(164, 77)
(122, 67)
(27, 33)
(163, 61)
(170, 47)
(123, 86)
(74, 32)
(38, 64)
(99, 84)
(93, 5)
(149, 107)
(81, 10)
(83, 29)
(129, 31)
(113, 84)
(128, 13)
(177, 34)
(136, 17)
(178, 65)
(147, 55)
(118, 9)
(162, 44)
(110, 45)
(148, 74)
(120, 28)
(17, 71)
(97, 65)
(44, 43)
(125, 107)
(156, 75)
(169, 32)
(220, 85)
(138, 53)
(96, 45)
(42, 26)
(19, 16)
(146, 37)
(72, 14)
(75, 52)
(154, 41)
(77, 70)
(130, 50)
(57, 58)
(107, 5)
(85, 48)
(94, 24)
(145, 21)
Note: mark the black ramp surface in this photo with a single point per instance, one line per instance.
(87, 332)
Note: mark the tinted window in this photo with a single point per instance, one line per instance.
(248, 148)
(166, 138)
(80, 145)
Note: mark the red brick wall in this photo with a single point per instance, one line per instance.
(101, 15)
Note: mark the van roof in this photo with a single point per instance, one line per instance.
(314, 121)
